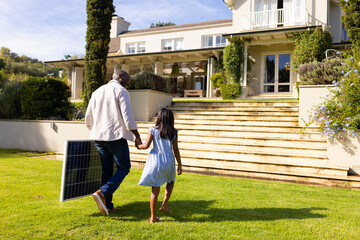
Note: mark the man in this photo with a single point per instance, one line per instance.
(111, 121)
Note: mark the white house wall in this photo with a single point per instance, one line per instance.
(335, 25)
(192, 37)
(240, 7)
(257, 68)
(77, 82)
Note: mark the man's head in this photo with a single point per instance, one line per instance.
(122, 77)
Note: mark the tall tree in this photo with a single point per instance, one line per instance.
(161, 24)
(99, 15)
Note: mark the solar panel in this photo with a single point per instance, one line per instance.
(81, 174)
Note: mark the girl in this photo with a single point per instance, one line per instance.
(160, 165)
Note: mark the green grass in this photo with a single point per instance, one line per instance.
(204, 207)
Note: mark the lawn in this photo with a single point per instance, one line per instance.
(204, 207)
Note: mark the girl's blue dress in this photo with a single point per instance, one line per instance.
(160, 165)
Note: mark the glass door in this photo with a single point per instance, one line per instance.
(277, 73)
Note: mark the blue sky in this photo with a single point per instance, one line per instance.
(49, 29)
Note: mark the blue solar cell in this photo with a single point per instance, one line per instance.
(81, 170)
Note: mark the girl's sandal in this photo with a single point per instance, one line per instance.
(165, 210)
(157, 220)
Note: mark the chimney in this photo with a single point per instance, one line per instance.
(118, 26)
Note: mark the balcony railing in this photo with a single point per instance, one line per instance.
(275, 18)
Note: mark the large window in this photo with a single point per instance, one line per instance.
(132, 48)
(172, 44)
(213, 41)
(277, 73)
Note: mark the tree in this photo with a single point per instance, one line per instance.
(2, 63)
(351, 20)
(161, 24)
(99, 15)
(15, 67)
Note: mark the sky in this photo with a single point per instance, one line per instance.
(49, 29)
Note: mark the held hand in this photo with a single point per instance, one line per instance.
(179, 169)
(138, 142)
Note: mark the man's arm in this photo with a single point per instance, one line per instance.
(126, 112)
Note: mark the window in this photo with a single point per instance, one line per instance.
(141, 47)
(213, 41)
(133, 48)
(172, 44)
(220, 41)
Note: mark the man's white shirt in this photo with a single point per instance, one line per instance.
(109, 115)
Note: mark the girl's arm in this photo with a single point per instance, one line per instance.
(148, 142)
(177, 155)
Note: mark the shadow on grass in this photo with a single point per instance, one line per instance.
(201, 211)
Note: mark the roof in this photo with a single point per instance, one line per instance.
(114, 45)
(173, 27)
(269, 31)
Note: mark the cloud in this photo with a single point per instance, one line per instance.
(45, 30)
(49, 29)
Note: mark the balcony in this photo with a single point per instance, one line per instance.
(275, 18)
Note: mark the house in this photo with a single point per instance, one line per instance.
(267, 26)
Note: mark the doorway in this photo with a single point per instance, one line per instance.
(276, 73)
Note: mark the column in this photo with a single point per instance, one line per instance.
(159, 67)
(210, 71)
(116, 67)
(77, 82)
(125, 68)
(244, 89)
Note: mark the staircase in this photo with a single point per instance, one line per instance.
(248, 139)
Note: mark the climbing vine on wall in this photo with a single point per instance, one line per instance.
(233, 60)
(310, 46)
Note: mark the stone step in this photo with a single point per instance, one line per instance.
(254, 166)
(241, 104)
(270, 142)
(223, 126)
(350, 182)
(234, 109)
(236, 123)
(266, 135)
(242, 113)
(309, 144)
(249, 156)
(236, 118)
(271, 150)
(239, 113)
(199, 121)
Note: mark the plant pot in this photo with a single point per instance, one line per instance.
(216, 92)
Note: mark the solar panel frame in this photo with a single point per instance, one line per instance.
(81, 173)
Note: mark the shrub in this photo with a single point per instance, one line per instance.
(148, 80)
(230, 90)
(10, 101)
(341, 109)
(217, 79)
(321, 73)
(44, 98)
(310, 47)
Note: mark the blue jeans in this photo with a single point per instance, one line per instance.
(110, 152)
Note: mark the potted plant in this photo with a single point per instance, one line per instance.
(217, 79)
